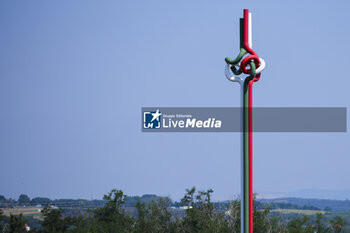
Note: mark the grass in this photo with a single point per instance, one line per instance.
(296, 211)
(26, 211)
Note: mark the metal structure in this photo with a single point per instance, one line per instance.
(247, 57)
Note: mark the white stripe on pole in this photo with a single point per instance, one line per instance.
(250, 40)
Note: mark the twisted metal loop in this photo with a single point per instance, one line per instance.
(254, 58)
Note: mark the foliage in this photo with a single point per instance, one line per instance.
(17, 224)
(111, 217)
(263, 222)
(1, 220)
(196, 213)
(155, 217)
(40, 201)
(201, 215)
(337, 224)
(23, 199)
(304, 225)
(53, 221)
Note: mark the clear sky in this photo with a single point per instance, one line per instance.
(75, 74)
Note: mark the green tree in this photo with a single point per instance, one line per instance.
(40, 201)
(233, 215)
(84, 224)
(300, 225)
(17, 224)
(23, 199)
(263, 222)
(1, 220)
(320, 227)
(201, 215)
(337, 224)
(53, 221)
(112, 218)
(155, 218)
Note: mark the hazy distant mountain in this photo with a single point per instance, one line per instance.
(320, 194)
(322, 204)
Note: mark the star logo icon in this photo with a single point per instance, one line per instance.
(156, 115)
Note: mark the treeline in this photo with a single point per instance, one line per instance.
(198, 214)
(322, 204)
(24, 200)
(279, 205)
(130, 201)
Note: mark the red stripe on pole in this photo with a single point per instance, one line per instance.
(250, 117)
(250, 145)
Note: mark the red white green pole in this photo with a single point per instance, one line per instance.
(236, 67)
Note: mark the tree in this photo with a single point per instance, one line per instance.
(154, 217)
(111, 217)
(40, 201)
(1, 219)
(337, 224)
(201, 215)
(263, 222)
(53, 221)
(320, 228)
(17, 224)
(300, 225)
(233, 215)
(23, 199)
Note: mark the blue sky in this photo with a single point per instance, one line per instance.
(75, 74)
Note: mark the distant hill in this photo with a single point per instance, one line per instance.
(320, 194)
(275, 203)
(321, 204)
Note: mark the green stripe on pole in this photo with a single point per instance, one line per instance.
(246, 145)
